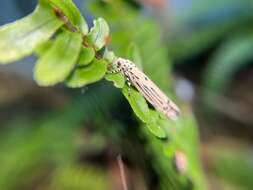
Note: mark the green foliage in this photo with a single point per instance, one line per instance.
(149, 117)
(47, 150)
(207, 33)
(70, 10)
(43, 47)
(64, 57)
(156, 125)
(182, 134)
(146, 39)
(25, 149)
(99, 34)
(109, 56)
(19, 39)
(86, 56)
(138, 103)
(225, 165)
(186, 140)
(231, 56)
(61, 57)
(76, 178)
(118, 79)
(88, 74)
(133, 53)
(77, 59)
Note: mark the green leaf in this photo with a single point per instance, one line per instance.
(20, 38)
(109, 56)
(140, 107)
(224, 164)
(56, 64)
(87, 75)
(71, 11)
(133, 53)
(44, 47)
(86, 56)
(99, 33)
(231, 57)
(118, 79)
(157, 130)
(155, 125)
(137, 103)
(78, 177)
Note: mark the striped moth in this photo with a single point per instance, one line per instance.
(146, 87)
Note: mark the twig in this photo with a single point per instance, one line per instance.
(65, 20)
(122, 172)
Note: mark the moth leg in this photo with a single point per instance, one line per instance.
(114, 71)
(111, 69)
(129, 85)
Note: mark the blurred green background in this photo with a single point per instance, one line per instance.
(64, 139)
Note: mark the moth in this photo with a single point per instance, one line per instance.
(146, 87)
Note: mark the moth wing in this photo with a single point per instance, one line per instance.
(153, 94)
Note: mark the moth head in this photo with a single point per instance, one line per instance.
(119, 63)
